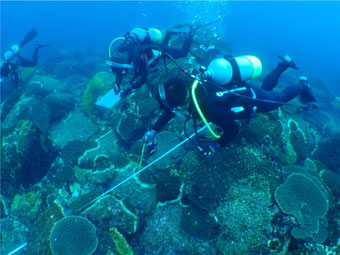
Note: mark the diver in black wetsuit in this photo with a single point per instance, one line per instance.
(11, 59)
(223, 106)
(140, 51)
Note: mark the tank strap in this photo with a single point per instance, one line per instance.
(254, 108)
(236, 78)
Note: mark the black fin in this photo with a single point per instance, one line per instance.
(41, 45)
(290, 64)
(29, 37)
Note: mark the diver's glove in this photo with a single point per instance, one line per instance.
(149, 136)
(207, 150)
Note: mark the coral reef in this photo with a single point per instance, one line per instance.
(60, 153)
(306, 199)
(73, 235)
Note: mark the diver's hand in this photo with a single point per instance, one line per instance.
(126, 92)
(149, 136)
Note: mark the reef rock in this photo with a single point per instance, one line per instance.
(163, 234)
(328, 153)
(60, 104)
(109, 212)
(76, 127)
(30, 109)
(245, 218)
(26, 155)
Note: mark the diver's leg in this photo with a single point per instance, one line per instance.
(271, 80)
(275, 99)
(178, 52)
(30, 63)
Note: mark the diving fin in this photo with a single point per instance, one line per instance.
(288, 62)
(42, 45)
(179, 31)
(29, 37)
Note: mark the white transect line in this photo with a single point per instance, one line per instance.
(144, 168)
(17, 249)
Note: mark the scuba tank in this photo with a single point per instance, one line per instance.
(147, 35)
(231, 70)
(11, 53)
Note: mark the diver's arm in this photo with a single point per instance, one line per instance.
(165, 117)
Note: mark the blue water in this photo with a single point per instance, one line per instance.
(307, 30)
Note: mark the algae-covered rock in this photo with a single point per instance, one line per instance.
(109, 212)
(287, 155)
(297, 139)
(73, 235)
(101, 157)
(101, 83)
(121, 246)
(28, 202)
(306, 199)
(39, 234)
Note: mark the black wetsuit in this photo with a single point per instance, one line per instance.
(140, 53)
(219, 110)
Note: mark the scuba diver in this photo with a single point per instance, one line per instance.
(11, 59)
(222, 95)
(140, 51)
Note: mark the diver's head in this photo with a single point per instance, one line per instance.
(120, 61)
(224, 71)
(146, 35)
(175, 92)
